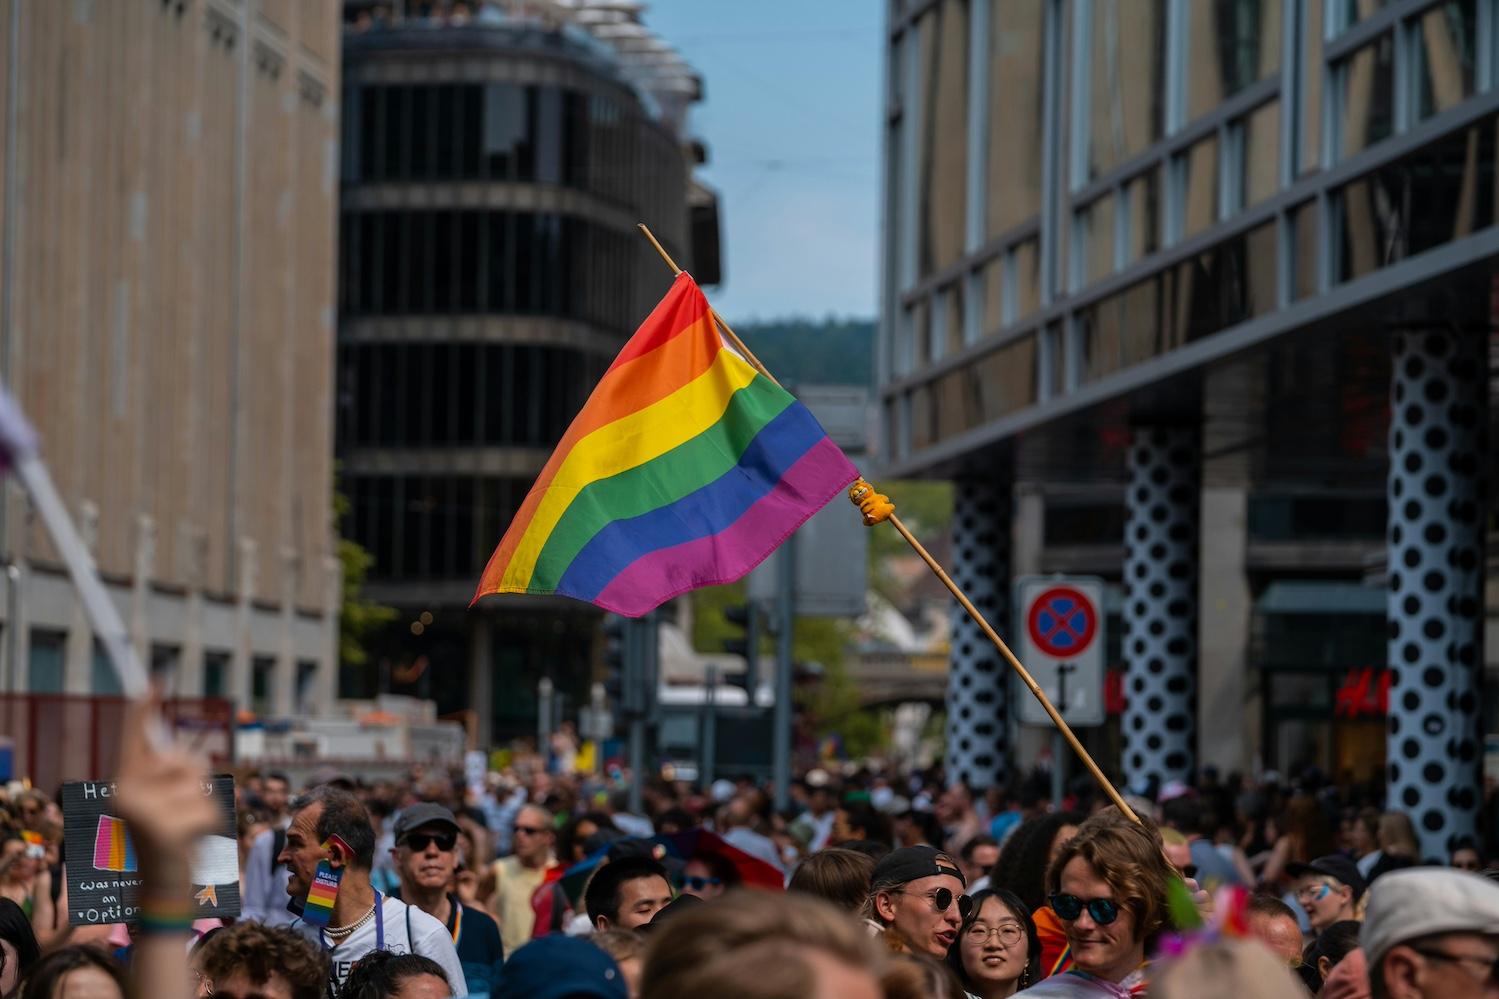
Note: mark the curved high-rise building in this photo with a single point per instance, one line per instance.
(494, 164)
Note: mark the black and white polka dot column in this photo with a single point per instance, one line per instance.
(977, 710)
(1160, 609)
(1435, 584)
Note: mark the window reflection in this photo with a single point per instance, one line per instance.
(944, 122)
(1354, 11)
(1200, 184)
(923, 417)
(1008, 379)
(1028, 277)
(1228, 284)
(1444, 56)
(1143, 194)
(1233, 43)
(1443, 192)
(1124, 329)
(1310, 155)
(1259, 149)
(997, 384)
(1098, 240)
(1303, 221)
(1128, 81)
(1016, 46)
(1231, 283)
(993, 282)
(1368, 87)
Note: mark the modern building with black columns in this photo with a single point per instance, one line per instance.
(1201, 299)
(495, 160)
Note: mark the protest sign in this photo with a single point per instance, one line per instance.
(104, 881)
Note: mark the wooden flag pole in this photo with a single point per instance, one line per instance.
(732, 337)
(886, 511)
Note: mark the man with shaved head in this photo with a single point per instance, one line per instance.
(517, 876)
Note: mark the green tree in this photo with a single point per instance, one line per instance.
(832, 701)
(924, 507)
(358, 618)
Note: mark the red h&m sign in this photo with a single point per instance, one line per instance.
(1364, 693)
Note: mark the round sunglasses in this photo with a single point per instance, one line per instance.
(942, 899)
(698, 884)
(1103, 910)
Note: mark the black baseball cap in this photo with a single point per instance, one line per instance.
(1333, 866)
(911, 863)
(421, 814)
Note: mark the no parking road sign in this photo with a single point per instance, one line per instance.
(1061, 643)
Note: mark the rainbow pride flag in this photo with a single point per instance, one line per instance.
(685, 468)
(321, 895)
(113, 850)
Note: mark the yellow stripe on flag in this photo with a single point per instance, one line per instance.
(629, 441)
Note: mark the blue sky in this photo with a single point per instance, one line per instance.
(792, 123)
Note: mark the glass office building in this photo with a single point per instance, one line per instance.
(493, 170)
(1198, 297)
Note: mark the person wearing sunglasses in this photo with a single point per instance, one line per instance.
(517, 876)
(997, 951)
(707, 876)
(427, 861)
(1431, 933)
(1108, 888)
(917, 900)
(1328, 889)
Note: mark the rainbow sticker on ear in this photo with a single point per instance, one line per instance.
(325, 880)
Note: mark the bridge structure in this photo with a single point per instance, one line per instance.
(885, 679)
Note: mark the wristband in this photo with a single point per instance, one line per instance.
(165, 916)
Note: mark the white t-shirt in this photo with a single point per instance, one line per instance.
(427, 937)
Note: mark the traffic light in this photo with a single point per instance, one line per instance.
(627, 651)
(743, 617)
(614, 657)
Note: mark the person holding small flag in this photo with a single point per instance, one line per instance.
(329, 851)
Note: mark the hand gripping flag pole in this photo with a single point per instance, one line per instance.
(876, 508)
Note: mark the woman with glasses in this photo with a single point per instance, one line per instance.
(1108, 887)
(997, 950)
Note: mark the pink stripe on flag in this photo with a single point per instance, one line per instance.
(815, 478)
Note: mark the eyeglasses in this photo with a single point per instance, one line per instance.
(942, 899)
(528, 830)
(698, 884)
(1316, 892)
(420, 841)
(1103, 910)
(1009, 934)
(1491, 965)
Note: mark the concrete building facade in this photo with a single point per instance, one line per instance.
(166, 321)
(1208, 289)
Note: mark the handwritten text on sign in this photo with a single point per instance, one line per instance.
(104, 883)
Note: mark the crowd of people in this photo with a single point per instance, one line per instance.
(540, 885)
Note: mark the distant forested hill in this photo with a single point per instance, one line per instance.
(814, 351)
